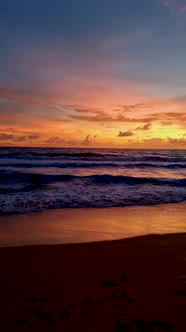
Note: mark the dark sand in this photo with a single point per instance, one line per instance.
(136, 284)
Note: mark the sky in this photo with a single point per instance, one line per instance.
(93, 73)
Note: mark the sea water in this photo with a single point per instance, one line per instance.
(37, 179)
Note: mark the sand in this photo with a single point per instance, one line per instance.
(88, 225)
(135, 284)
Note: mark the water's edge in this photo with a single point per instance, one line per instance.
(89, 225)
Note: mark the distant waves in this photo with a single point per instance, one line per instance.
(84, 164)
(33, 178)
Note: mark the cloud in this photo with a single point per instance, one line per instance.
(171, 110)
(87, 139)
(19, 138)
(168, 3)
(33, 137)
(88, 110)
(130, 108)
(59, 141)
(177, 141)
(55, 140)
(31, 105)
(168, 118)
(5, 137)
(166, 123)
(125, 133)
(167, 142)
(147, 126)
(90, 139)
(4, 90)
(16, 138)
(101, 116)
(178, 5)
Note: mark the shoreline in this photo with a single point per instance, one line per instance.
(134, 284)
(89, 225)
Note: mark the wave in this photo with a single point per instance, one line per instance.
(130, 180)
(23, 189)
(96, 157)
(53, 154)
(88, 154)
(39, 201)
(106, 179)
(18, 177)
(95, 165)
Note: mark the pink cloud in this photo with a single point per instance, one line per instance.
(179, 5)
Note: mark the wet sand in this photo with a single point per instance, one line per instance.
(135, 284)
(87, 225)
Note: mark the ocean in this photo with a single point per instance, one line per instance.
(37, 179)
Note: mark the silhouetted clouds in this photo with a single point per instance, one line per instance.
(33, 137)
(177, 141)
(166, 123)
(5, 137)
(56, 140)
(125, 134)
(20, 139)
(89, 139)
(104, 117)
(17, 138)
(147, 126)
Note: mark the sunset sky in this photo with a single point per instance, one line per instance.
(93, 73)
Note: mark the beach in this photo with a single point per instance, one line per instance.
(136, 284)
(92, 240)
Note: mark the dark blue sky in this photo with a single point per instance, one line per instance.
(151, 34)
